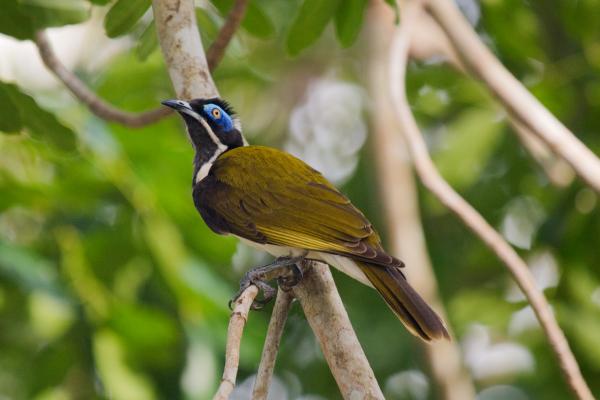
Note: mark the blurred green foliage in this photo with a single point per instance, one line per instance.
(111, 286)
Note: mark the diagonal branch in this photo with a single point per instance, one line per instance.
(272, 341)
(238, 320)
(433, 42)
(234, 19)
(470, 217)
(107, 111)
(512, 94)
(95, 104)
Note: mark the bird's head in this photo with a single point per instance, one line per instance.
(212, 127)
(209, 121)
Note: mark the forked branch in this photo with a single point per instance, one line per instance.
(432, 179)
(521, 104)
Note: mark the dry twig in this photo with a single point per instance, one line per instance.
(238, 319)
(512, 94)
(108, 112)
(271, 347)
(470, 217)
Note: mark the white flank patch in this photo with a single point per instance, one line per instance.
(344, 264)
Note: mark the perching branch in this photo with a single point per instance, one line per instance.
(329, 321)
(512, 94)
(470, 217)
(238, 320)
(108, 112)
(279, 315)
(400, 203)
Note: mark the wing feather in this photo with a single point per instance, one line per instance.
(269, 196)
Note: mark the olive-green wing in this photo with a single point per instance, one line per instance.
(269, 196)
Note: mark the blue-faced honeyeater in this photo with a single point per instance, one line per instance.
(275, 201)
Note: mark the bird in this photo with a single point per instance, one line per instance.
(276, 202)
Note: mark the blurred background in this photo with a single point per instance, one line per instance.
(111, 286)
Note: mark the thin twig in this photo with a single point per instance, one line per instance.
(471, 218)
(512, 94)
(234, 19)
(96, 105)
(107, 111)
(329, 321)
(238, 319)
(271, 347)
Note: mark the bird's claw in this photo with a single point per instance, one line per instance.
(285, 269)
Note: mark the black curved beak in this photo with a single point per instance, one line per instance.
(177, 105)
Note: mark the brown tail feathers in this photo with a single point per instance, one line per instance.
(406, 303)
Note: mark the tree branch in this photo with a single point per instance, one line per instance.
(329, 321)
(271, 347)
(108, 112)
(515, 97)
(401, 204)
(470, 217)
(238, 320)
(234, 19)
(95, 104)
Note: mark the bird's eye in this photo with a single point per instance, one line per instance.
(216, 113)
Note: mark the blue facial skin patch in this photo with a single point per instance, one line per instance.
(224, 120)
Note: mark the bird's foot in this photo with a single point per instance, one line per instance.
(286, 270)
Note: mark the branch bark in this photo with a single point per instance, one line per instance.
(279, 315)
(512, 94)
(329, 321)
(108, 112)
(470, 217)
(238, 320)
(401, 206)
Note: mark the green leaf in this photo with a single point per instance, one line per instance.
(123, 15)
(147, 43)
(256, 21)
(11, 119)
(99, 2)
(309, 24)
(468, 143)
(28, 270)
(349, 20)
(14, 21)
(46, 13)
(40, 123)
(20, 19)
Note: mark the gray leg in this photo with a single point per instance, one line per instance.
(280, 269)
